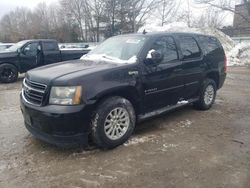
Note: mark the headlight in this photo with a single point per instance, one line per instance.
(65, 95)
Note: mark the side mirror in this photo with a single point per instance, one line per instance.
(154, 57)
(19, 50)
(39, 48)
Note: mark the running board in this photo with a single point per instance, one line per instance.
(166, 109)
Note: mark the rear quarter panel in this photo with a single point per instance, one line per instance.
(214, 60)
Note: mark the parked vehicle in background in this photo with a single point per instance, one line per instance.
(124, 80)
(29, 54)
(4, 46)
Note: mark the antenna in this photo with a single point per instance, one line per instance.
(144, 32)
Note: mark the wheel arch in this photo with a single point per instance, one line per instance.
(214, 76)
(127, 92)
(9, 63)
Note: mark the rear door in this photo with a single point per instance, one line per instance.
(51, 52)
(192, 64)
(162, 83)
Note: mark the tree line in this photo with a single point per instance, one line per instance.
(93, 20)
(77, 20)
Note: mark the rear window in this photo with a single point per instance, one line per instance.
(189, 47)
(50, 46)
(210, 43)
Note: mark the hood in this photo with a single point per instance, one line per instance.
(72, 69)
(7, 54)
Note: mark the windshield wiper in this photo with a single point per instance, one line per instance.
(110, 57)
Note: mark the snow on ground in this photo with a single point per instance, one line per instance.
(137, 140)
(236, 55)
(239, 55)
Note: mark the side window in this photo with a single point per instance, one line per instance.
(50, 46)
(189, 47)
(167, 47)
(31, 49)
(210, 43)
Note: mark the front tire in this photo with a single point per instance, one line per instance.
(113, 122)
(207, 95)
(8, 73)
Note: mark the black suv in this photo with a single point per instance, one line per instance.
(124, 80)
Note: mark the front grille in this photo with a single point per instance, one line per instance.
(33, 92)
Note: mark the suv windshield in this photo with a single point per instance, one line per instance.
(16, 46)
(122, 49)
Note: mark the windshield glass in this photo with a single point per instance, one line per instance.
(16, 46)
(122, 49)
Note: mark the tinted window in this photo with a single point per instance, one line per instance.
(210, 43)
(189, 47)
(50, 46)
(31, 49)
(166, 45)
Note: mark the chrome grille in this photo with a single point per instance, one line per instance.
(33, 92)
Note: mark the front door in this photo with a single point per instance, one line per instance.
(28, 56)
(162, 82)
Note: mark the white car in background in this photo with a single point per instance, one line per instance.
(4, 46)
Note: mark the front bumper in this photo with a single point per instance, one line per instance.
(58, 125)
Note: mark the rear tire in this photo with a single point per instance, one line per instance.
(113, 122)
(8, 73)
(207, 95)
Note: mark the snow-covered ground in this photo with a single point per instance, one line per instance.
(239, 55)
(236, 54)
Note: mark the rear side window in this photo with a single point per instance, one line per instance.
(189, 47)
(171, 51)
(50, 46)
(210, 43)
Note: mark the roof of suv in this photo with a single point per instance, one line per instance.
(164, 33)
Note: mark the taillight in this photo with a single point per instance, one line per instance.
(225, 63)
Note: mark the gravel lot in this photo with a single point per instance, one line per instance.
(185, 148)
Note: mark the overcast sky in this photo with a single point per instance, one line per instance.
(8, 5)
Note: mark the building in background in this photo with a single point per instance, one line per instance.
(241, 24)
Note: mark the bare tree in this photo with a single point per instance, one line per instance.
(227, 5)
(211, 17)
(84, 20)
(111, 10)
(75, 10)
(140, 10)
(15, 25)
(167, 10)
(97, 8)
